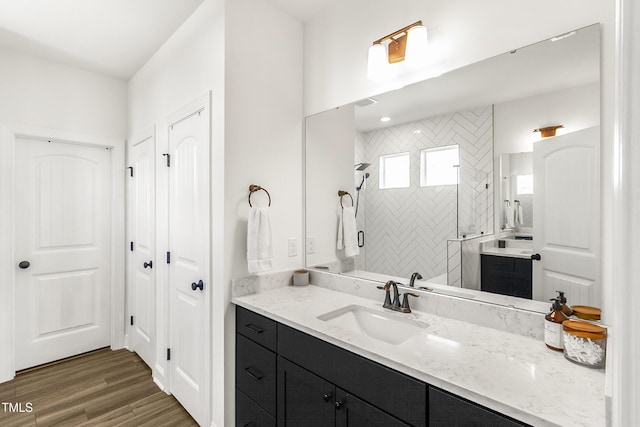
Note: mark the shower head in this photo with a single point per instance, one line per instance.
(362, 166)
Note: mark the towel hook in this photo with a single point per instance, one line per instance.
(253, 188)
(343, 193)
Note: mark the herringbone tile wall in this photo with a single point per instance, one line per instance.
(406, 229)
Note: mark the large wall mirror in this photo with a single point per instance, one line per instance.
(431, 172)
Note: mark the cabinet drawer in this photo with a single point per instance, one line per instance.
(256, 373)
(256, 327)
(447, 410)
(389, 390)
(249, 414)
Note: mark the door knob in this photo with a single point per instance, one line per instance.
(24, 264)
(199, 285)
(148, 264)
(536, 257)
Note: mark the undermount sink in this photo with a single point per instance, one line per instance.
(388, 327)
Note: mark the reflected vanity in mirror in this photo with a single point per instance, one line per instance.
(420, 164)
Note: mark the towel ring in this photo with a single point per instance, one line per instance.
(343, 193)
(253, 188)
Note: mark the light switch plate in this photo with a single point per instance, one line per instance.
(311, 245)
(293, 246)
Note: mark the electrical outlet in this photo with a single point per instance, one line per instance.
(311, 245)
(293, 246)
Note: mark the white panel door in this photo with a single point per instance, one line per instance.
(189, 267)
(62, 229)
(566, 217)
(142, 245)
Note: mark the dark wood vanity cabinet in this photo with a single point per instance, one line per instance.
(256, 373)
(305, 399)
(446, 409)
(287, 378)
(506, 275)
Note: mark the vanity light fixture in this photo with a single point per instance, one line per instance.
(407, 44)
(548, 131)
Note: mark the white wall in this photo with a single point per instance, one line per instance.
(575, 108)
(263, 134)
(330, 139)
(37, 92)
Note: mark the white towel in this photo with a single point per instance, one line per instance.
(518, 212)
(348, 232)
(509, 214)
(259, 246)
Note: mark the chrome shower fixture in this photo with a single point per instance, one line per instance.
(362, 166)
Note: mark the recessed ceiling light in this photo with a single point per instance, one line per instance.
(564, 36)
(385, 119)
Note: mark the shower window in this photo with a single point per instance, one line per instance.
(524, 184)
(439, 166)
(394, 171)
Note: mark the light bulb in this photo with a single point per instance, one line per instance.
(378, 66)
(417, 45)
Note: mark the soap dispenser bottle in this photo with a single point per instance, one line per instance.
(553, 326)
(568, 311)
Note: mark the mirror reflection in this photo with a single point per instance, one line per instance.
(516, 193)
(417, 167)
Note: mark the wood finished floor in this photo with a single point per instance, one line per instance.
(102, 388)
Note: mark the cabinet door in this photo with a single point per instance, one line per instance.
(353, 412)
(304, 399)
(447, 410)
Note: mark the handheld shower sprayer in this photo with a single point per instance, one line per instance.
(360, 167)
(364, 178)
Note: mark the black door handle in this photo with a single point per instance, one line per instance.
(24, 264)
(536, 257)
(148, 264)
(199, 285)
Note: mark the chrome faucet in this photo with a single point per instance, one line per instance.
(414, 276)
(395, 304)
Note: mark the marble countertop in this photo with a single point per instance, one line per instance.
(512, 374)
(510, 252)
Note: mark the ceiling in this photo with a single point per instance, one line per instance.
(303, 10)
(111, 37)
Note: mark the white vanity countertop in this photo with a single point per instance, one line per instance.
(515, 375)
(510, 252)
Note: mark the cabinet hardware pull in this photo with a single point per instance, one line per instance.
(339, 404)
(327, 397)
(199, 285)
(254, 373)
(254, 328)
